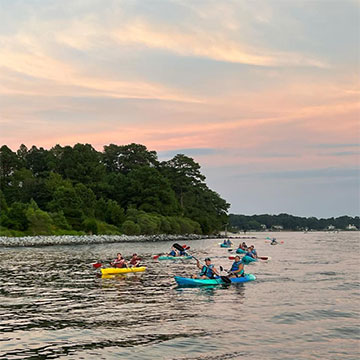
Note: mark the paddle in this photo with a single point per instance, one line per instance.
(98, 264)
(225, 279)
(259, 257)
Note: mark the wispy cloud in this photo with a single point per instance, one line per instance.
(256, 85)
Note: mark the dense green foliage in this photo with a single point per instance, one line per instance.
(289, 222)
(122, 190)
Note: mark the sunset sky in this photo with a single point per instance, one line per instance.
(263, 94)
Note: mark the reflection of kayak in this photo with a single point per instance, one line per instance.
(225, 245)
(265, 258)
(248, 259)
(241, 251)
(274, 243)
(167, 257)
(109, 271)
(182, 281)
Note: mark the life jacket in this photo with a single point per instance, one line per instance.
(250, 254)
(183, 253)
(235, 266)
(254, 252)
(119, 263)
(207, 271)
(134, 261)
(172, 253)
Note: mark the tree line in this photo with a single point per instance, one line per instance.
(123, 189)
(290, 222)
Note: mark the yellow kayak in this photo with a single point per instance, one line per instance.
(108, 271)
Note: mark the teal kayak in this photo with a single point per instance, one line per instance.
(241, 251)
(248, 259)
(167, 257)
(182, 281)
(225, 245)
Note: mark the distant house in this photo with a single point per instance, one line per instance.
(278, 227)
(351, 227)
(331, 227)
(263, 226)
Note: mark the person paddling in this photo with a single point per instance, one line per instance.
(173, 252)
(182, 253)
(208, 270)
(252, 252)
(135, 261)
(119, 262)
(243, 246)
(273, 241)
(237, 268)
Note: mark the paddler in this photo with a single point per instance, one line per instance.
(173, 252)
(237, 268)
(119, 262)
(208, 270)
(243, 246)
(252, 252)
(183, 252)
(134, 261)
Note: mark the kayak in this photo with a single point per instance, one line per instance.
(108, 271)
(241, 251)
(167, 257)
(225, 245)
(182, 281)
(248, 259)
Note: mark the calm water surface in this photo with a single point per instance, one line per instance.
(303, 305)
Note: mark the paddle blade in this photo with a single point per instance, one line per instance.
(225, 279)
(178, 247)
(96, 265)
(231, 257)
(156, 257)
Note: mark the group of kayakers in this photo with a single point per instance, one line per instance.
(120, 261)
(207, 270)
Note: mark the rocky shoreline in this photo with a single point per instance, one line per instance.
(96, 239)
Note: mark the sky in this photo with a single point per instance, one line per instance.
(263, 94)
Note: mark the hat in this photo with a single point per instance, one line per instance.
(207, 259)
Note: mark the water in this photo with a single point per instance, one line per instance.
(303, 305)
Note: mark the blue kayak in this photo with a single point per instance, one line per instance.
(182, 281)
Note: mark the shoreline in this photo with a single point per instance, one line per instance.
(54, 240)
